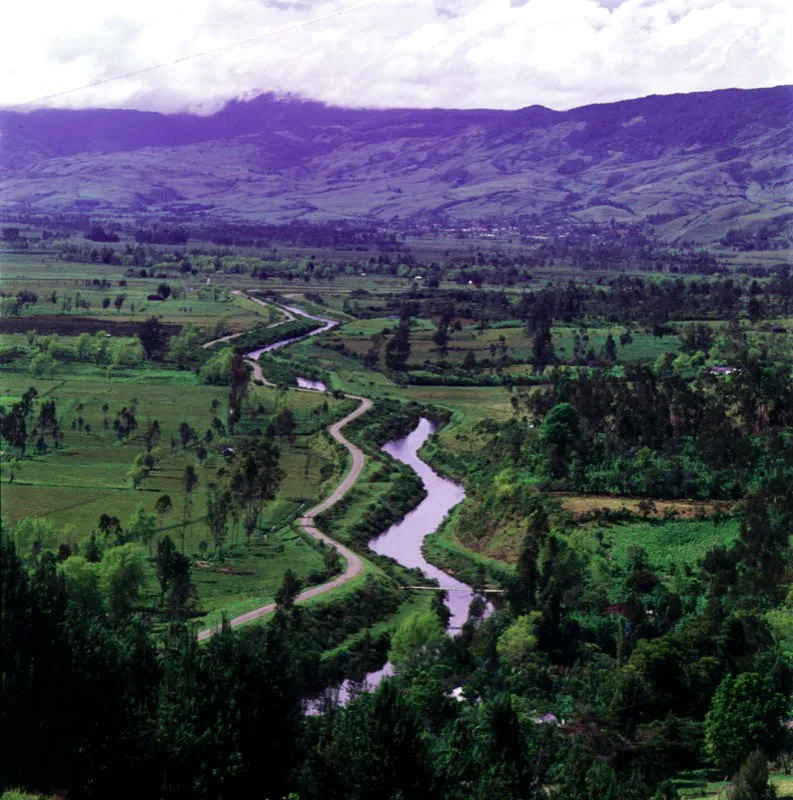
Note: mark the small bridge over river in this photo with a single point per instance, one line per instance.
(450, 589)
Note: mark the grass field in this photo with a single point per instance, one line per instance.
(193, 301)
(677, 542)
(700, 784)
(258, 573)
(502, 338)
(87, 476)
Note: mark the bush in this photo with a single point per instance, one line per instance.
(752, 781)
(262, 335)
(217, 370)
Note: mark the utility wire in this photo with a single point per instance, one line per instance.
(265, 35)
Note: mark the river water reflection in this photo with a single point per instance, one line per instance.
(317, 386)
(403, 540)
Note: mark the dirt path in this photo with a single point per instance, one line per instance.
(223, 339)
(288, 317)
(354, 563)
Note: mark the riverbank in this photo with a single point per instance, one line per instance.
(407, 524)
(354, 563)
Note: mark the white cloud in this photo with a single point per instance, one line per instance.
(462, 53)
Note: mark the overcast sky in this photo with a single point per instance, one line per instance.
(449, 53)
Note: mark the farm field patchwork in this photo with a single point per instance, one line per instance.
(603, 620)
(87, 476)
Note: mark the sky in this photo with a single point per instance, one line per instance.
(408, 53)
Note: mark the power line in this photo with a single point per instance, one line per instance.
(201, 54)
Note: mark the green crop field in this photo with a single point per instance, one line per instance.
(593, 491)
(87, 476)
(93, 464)
(668, 542)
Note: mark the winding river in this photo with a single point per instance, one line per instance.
(292, 312)
(403, 540)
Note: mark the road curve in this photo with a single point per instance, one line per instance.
(223, 339)
(354, 563)
(288, 317)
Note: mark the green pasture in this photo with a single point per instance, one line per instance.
(496, 340)
(65, 341)
(87, 476)
(644, 347)
(46, 274)
(705, 784)
(368, 327)
(236, 313)
(667, 542)
(468, 404)
(73, 485)
(258, 574)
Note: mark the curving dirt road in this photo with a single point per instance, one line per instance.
(223, 339)
(288, 317)
(354, 563)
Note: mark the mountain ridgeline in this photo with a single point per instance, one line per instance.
(693, 165)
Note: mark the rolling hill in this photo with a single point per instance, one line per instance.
(693, 165)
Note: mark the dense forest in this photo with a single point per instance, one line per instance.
(591, 684)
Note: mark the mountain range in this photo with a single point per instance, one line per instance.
(692, 165)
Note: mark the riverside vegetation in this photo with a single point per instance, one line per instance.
(624, 438)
